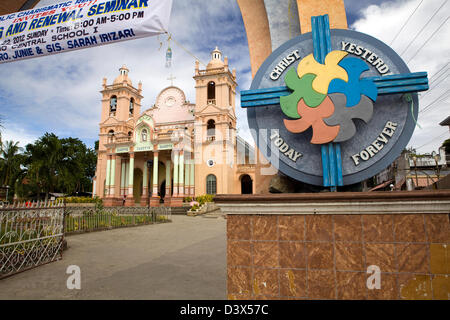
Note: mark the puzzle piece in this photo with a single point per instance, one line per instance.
(313, 117)
(302, 90)
(344, 116)
(354, 88)
(324, 72)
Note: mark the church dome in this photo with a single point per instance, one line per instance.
(123, 76)
(216, 60)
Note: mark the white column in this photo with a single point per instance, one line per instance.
(108, 174)
(144, 179)
(175, 173)
(168, 178)
(192, 176)
(131, 176)
(122, 178)
(112, 176)
(155, 174)
(187, 180)
(181, 175)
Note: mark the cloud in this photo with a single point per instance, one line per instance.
(383, 22)
(60, 93)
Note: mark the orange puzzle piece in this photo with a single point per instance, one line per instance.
(313, 117)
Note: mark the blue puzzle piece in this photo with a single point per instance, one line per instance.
(354, 88)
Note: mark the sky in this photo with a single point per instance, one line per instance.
(60, 93)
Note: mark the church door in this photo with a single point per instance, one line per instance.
(137, 185)
(246, 184)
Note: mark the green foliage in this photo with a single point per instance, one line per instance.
(48, 165)
(187, 199)
(204, 199)
(81, 200)
(195, 207)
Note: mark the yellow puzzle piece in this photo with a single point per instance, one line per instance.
(325, 72)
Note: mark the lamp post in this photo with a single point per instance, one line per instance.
(436, 160)
(415, 169)
(7, 189)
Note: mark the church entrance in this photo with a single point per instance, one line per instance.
(162, 190)
(246, 184)
(137, 185)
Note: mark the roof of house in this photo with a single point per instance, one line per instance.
(446, 122)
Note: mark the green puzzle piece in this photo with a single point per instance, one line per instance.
(303, 89)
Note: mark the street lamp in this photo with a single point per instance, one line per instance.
(7, 189)
(436, 160)
(415, 169)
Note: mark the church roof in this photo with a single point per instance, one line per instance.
(123, 76)
(216, 60)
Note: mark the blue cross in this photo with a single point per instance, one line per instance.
(331, 153)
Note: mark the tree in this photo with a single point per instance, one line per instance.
(46, 162)
(10, 164)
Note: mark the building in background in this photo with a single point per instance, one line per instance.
(175, 149)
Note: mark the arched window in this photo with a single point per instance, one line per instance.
(144, 134)
(230, 96)
(113, 104)
(110, 136)
(131, 106)
(211, 92)
(211, 184)
(129, 135)
(210, 129)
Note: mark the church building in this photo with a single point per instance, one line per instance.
(174, 149)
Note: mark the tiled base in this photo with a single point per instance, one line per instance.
(327, 256)
(154, 202)
(176, 202)
(129, 202)
(112, 202)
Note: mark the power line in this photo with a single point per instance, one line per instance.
(435, 86)
(434, 75)
(404, 25)
(432, 140)
(423, 28)
(423, 45)
(436, 100)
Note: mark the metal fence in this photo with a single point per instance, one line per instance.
(79, 219)
(31, 234)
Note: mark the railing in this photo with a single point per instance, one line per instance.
(211, 101)
(31, 234)
(80, 220)
(210, 138)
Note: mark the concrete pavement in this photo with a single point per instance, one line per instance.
(185, 259)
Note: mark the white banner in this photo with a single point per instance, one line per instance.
(79, 24)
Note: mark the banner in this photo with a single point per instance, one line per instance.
(79, 24)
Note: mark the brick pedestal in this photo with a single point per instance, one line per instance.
(176, 202)
(321, 246)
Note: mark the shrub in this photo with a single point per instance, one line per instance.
(80, 199)
(204, 199)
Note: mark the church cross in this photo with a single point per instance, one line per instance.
(171, 78)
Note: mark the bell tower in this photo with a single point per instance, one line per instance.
(215, 124)
(121, 107)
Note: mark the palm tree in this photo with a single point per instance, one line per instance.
(10, 161)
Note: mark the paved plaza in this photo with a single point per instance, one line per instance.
(185, 259)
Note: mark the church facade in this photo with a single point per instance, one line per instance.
(175, 149)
